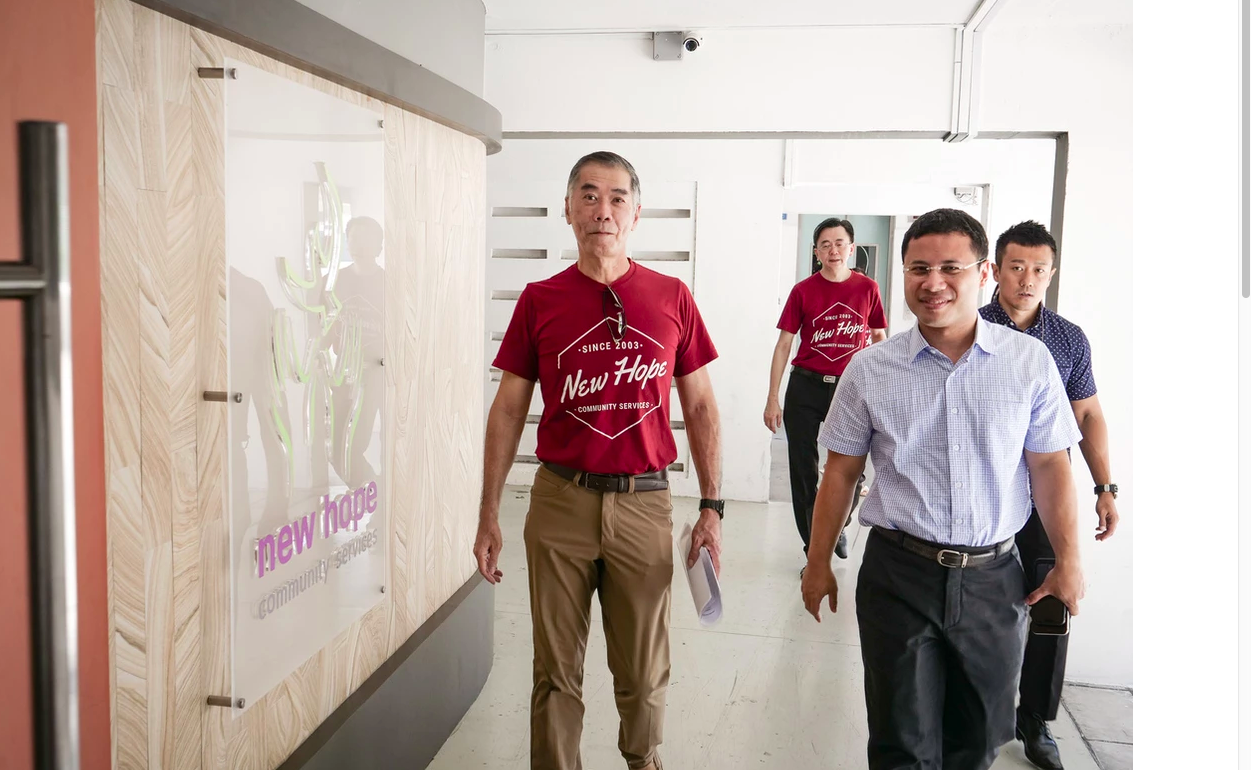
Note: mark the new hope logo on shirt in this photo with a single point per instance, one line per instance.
(611, 386)
(605, 402)
(838, 332)
(833, 320)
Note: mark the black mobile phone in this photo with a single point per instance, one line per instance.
(1048, 616)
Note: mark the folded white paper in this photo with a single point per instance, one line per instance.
(702, 579)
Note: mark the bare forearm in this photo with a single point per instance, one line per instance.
(780, 354)
(1094, 446)
(829, 510)
(503, 434)
(703, 433)
(1056, 501)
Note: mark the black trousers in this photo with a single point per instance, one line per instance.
(1042, 671)
(804, 408)
(942, 657)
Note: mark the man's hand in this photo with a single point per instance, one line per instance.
(486, 549)
(706, 534)
(1105, 507)
(818, 583)
(773, 415)
(1063, 582)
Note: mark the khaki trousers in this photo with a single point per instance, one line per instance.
(621, 545)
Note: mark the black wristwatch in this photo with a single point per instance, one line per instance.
(1101, 488)
(716, 505)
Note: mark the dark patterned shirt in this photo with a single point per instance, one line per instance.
(1066, 341)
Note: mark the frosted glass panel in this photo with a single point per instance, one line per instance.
(306, 327)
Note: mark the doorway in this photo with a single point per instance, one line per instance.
(879, 238)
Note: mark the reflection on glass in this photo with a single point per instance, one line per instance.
(306, 330)
(362, 286)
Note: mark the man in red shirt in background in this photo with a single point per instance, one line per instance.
(604, 339)
(835, 312)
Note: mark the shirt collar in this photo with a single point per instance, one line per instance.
(995, 313)
(982, 339)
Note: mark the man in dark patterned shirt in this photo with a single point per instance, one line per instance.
(1024, 266)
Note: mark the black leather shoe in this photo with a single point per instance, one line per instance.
(840, 548)
(1040, 747)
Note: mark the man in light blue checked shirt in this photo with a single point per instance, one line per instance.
(960, 415)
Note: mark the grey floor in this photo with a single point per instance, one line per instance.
(768, 687)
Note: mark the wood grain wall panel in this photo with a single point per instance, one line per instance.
(115, 31)
(163, 297)
(121, 350)
(155, 461)
(149, 81)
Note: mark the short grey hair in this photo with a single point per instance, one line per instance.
(612, 160)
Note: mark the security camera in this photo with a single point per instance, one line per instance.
(691, 42)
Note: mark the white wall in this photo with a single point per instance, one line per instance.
(1049, 78)
(768, 80)
(444, 36)
(1079, 80)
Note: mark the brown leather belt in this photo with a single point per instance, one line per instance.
(607, 482)
(828, 379)
(953, 557)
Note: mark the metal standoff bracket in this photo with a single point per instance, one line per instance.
(217, 73)
(221, 395)
(224, 701)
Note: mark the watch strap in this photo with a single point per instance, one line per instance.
(716, 505)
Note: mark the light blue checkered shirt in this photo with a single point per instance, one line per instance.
(948, 440)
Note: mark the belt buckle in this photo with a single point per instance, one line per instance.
(961, 561)
(599, 482)
(829, 378)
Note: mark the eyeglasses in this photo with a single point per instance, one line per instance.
(614, 313)
(949, 271)
(824, 247)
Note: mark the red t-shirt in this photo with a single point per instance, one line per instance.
(606, 404)
(832, 320)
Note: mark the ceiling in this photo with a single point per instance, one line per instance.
(579, 16)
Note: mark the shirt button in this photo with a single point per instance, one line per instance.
(959, 485)
(955, 410)
(956, 448)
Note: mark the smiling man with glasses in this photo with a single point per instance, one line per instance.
(605, 339)
(963, 418)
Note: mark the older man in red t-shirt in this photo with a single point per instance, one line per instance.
(835, 312)
(605, 339)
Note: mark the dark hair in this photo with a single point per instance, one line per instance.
(612, 160)
(943, 221)
(1027, 233)
(833, 222)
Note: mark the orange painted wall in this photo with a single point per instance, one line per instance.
(47, 72)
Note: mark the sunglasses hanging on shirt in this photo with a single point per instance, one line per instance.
(614, 313)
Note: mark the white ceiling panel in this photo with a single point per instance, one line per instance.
(531, 16)
(651, 15)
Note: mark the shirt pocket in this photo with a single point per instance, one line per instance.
(1000, 427)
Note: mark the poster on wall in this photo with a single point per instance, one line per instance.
(305, 286)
